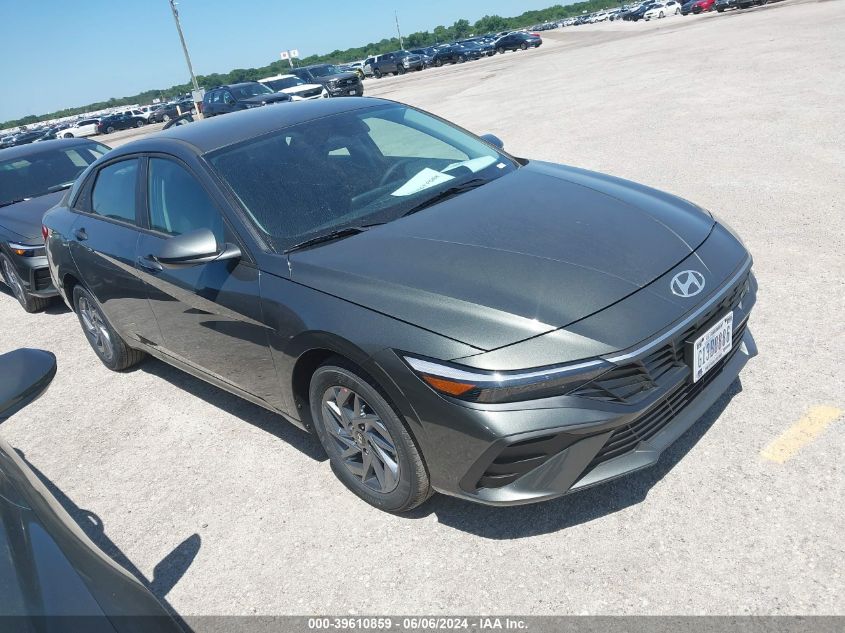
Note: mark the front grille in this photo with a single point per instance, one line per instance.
(41, 279)
(347, 82)
(314, 92)
(632, 382)
(644, 427)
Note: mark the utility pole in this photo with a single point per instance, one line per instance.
(185, 49)
(396, 16)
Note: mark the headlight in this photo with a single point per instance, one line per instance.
(27, 250)
(474, 385)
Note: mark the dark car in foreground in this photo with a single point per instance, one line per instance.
(32, 179)
(167, 111)
(242, 96)
(53, 577)
(442, 315)
(115, 122)
(517, 41)
(337, 83)
(397, 63)
(454, 54)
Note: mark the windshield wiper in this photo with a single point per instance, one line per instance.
(64, 185)
(329, 237)
(447, 193)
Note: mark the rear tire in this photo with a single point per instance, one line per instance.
(368, 444)
(438, 62)
(165, 118)
(400, 70)
(11, 278)
(377, 74)
(110, 130)
(139, 124)
(107, 344)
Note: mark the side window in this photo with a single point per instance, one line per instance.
(113, 195)
(178, 203)
(228, 98)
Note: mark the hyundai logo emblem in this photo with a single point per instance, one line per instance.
(687, 283)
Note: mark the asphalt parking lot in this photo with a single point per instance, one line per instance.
(225, 509)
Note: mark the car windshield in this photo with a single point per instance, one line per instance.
(325, 71)
(42, 172)
(250, 90)
(285, 82)
(356, 168)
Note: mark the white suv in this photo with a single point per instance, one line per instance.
(295, 87)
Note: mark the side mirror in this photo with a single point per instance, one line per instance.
(494, 140)
(24, 376)
(192, 248)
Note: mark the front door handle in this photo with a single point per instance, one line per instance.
(149, 264)
(80, 234)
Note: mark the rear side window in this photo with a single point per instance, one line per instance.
(114, 191)
(178, 203)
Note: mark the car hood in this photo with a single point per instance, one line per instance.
(267, 98)
(294, 90)
(337, 77)
(530, 252)
(24, 218)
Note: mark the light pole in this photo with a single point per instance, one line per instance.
(185, 50)
(396, 16)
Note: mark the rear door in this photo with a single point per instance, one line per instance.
(209, 314)
(103, 242)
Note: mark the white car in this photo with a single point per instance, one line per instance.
(83, 127)
(295, 87)
(661, 10)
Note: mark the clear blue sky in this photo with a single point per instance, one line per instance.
(63, 53)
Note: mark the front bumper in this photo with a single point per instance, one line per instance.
(34, 273)
(532, 451)
(354, 90)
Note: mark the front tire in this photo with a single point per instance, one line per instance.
(500, 50)
(523, 46)
(13, 281)
(377, 74)
(438, 62)
(107, 344)
(165, 118)
(369, 447)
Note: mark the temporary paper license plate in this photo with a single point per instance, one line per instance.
(712, 346)
(353, 92)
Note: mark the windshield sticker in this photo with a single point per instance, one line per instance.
(423, 180)
(474, 164)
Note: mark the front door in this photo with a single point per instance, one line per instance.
(209, 314)
(103, 244)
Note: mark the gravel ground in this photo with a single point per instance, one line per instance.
(225, 509)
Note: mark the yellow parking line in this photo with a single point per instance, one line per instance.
(808, 428)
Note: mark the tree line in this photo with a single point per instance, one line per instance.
(440, 34)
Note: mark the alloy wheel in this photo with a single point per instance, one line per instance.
(365, 445)
(12, 280)
(95, 327)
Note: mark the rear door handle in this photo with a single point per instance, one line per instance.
(149, 264)
(80, 234)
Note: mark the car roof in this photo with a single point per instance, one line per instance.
(36, 148)
(222, 131)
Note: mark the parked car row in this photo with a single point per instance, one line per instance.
(458, 52)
